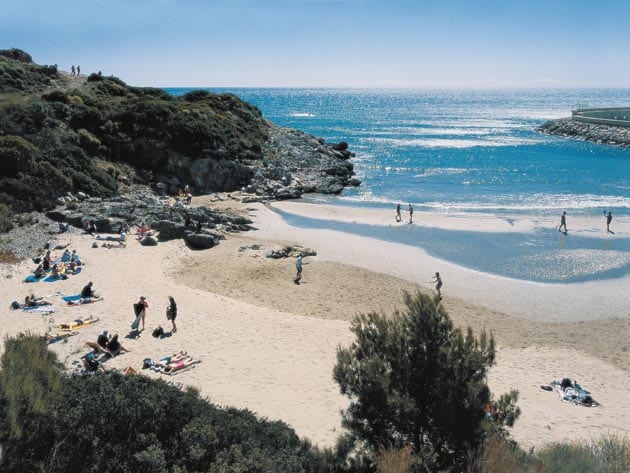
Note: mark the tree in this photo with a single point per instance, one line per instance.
(415, 380)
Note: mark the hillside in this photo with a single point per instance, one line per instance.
(62, 133)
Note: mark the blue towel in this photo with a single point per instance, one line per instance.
(32, 278)
(76, 297)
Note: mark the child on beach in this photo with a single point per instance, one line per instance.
(438, 284)
(298, 267)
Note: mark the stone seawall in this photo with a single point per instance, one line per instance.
(605, 134)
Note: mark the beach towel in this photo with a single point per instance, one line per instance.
(43, 309)
(77, 324)
(83, 301)
(33, 278)
(571, 391)
(75, 297)
(52, 278)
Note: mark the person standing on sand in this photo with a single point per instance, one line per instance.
(72, 70)
(608, 220)
(398, 216)
(298, 267)
(563, 222)
(438, 284)
(410, 214)
(171, 312)
(78, 70)
(143, 305)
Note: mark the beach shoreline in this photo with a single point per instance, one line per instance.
(269, 345)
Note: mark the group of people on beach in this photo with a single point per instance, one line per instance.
(75, 71)
(562, 228)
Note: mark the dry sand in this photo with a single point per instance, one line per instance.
(269, 345)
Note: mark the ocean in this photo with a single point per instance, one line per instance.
(462, 151)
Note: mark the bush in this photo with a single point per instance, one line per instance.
(111, 422)
(415, 380)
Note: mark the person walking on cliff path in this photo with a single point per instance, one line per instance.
(608, 220)
(563, 222)
(398, 216)
(410, 213)
(298, 267)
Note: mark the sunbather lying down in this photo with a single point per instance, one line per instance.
(174, 363)
(570, 391)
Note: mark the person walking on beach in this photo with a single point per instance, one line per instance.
(171, 312)
(410, 214)
(438, 284)
(398, 216)
(78, 70)
(298, 267)
(563, 222)
(608, 220)
(72, 70)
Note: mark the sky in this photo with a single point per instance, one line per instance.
(329, 43)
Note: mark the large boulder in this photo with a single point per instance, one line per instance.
(200, 241)
(169, 230)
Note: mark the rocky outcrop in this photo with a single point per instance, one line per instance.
(296, 163)
(200, 227)
(605, 134)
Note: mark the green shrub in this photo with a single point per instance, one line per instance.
(415, 380)
(16, 155)
(111, 422)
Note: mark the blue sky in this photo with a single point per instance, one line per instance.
(329, 43)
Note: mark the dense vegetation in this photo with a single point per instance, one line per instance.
(59, 133)
(114, 423)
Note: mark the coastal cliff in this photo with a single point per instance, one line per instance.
(62, 133)
(597, 133)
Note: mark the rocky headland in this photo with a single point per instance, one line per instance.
(597, 133)
(95, 137)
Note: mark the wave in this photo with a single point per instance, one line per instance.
(301, 115)
(444, 171)
(432, 143)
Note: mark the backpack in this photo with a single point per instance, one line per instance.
(158, 332)
(15, 305)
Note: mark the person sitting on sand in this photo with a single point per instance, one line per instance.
(57, 273)
(65, 257)
(32, 301)
(39, 271)
(74, 257)
(102, 340)
(90, 361)
(88, 292)
(46, 261)
(114, 348)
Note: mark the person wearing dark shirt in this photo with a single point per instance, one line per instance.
(87, 291)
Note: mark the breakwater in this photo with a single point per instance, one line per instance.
(609, 126)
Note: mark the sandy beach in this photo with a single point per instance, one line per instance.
(269, 345)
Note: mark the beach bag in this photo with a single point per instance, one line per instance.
(15, 305)
(158, 332)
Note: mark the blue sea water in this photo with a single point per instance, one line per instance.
(455, 151)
